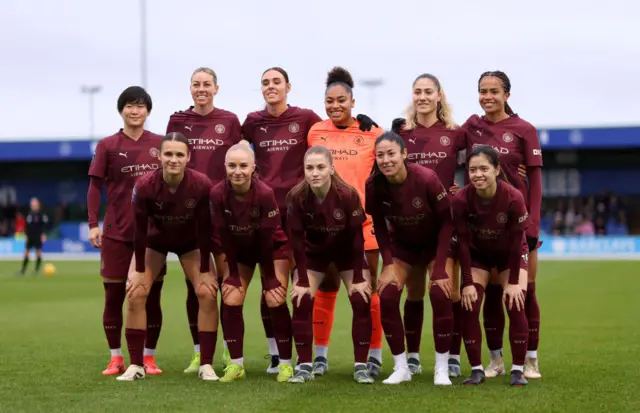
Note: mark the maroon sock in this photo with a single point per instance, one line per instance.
(154, 315)
(518, 335)
(471, 331)
(114, 294)
(413, 320)
(456, 335)
(493, 315)
(266, 318)
(207, 341)
(442, 319)
(221, 310)
(192, 311)
(391, 319)
(234, 333)
(282, 330)
(360, 327)
(302, 327)
(533, 316)
(135, 345)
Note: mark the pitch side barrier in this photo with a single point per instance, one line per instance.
(597, 248)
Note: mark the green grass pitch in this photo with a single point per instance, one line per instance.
(52, 350)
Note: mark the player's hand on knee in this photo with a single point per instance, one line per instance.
(297, 292)
(444, 285)
(513, 294)
(388, 277)
(362, 288)
(138, 285)
(275, 297)
(469, 297)
(207, 285)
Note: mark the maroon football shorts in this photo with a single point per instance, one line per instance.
(321, 262)
(115, 258)
(487, 261)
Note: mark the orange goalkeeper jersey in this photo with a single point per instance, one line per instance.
(353, 157)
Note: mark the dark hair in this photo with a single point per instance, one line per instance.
(379, 180)
(279, 70)
(134, 95)
(339, 76)
(506, 86)
(176, 137)
(300, 192)
(491, 154)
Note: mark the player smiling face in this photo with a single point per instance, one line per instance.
(425, 96)
(390, 157)
(174, 156)
(275, 86)
(240, 164)
(492, 96)
(203, 87)
(338, 103)
(484, 167)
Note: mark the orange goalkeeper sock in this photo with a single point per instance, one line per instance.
(323, 313)
(375, 349)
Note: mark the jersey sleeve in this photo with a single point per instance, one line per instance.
(141, 219)
(462, 237)
(295, 230)
(203, 215)
(441, 204)
(355, 211)
(247, 130)
(172, 126)
(220, 226)
(269, 214)
(379, 223)
(99, 163)
(313, 119)
(519, 217)
(532, 149)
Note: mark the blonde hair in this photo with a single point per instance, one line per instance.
(207, 71)
(244, 147)
(443, 111)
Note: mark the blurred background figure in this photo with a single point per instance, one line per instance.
(36, 228)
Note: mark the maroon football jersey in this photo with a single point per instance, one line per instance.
(329, 228)
(245, 217)
(120, 161)
(436, 148)
(515, 139)
(280, 144)
(175, 218)
(210, 137)
(489, 227)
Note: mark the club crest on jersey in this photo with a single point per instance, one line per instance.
(190, 203)
(501, 217)
(358, 140)
(220, 129)
(507, 137)
(445, 141)
(154, 152)
(294, 127)
(338, 214)
(255, 212)
(417, 203)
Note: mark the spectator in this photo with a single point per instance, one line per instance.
(584, 227)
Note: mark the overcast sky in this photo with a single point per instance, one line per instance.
(571, 62)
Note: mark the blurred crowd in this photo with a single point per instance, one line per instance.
(594, 215)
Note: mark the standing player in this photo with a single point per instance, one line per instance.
(279, 137)
(171, 207)
(516, 140)
(353, 157)
(211, 132)
(491, 220)
(37, 226)
(120, 160)
(325, 227)
(433, 140)
(247, 220)
(412, 219)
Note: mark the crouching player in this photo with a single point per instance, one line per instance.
(325, 219)
(491, 218)
(411, 199)
(174, 203)
(247, 219)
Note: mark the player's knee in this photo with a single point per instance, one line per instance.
(416, 292)
(390, 298)
(137, 301)
(330, 285)
(359, 305)
(206, 296)
(455, 296)
(234, 298)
